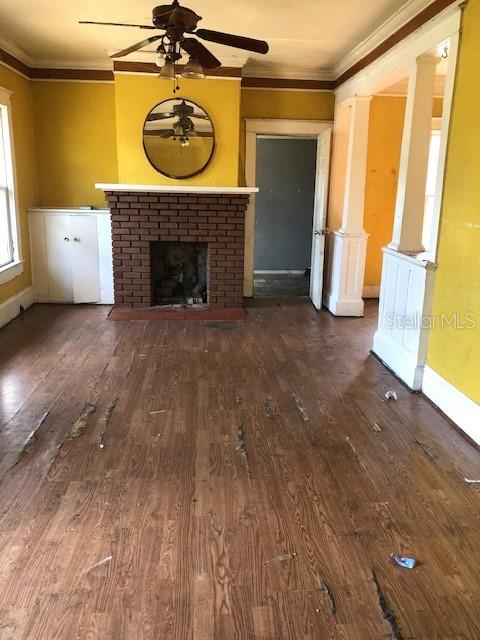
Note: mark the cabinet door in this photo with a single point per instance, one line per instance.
(84, 259)
(59, 264)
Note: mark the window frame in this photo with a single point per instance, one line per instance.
(15, 267)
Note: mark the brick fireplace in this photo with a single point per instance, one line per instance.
(148, 221)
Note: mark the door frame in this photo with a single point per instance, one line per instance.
(253, 128)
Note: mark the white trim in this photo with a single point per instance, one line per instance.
(455, 404)
(371, 291)
(10, 309)
(10, 271)
(266, 126)
(66, 211)
(279, 272)
(163, 188)
(5, 101)
(444, 137)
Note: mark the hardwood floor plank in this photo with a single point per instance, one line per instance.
(231, 484)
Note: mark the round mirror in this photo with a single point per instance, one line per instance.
(178, 138)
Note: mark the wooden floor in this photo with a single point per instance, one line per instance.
(268, 285)
(240, 480)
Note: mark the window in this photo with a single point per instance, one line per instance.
(8, 224)
(430, 192)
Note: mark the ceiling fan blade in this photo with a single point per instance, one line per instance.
(201, 53)
(135, 47)
(240, 42)
(160, 133)
(153, 117)
(118, 24)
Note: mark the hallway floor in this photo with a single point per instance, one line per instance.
(281, 285)
(241, 480)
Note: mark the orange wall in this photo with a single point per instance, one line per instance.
(383, 160)
(384, 145)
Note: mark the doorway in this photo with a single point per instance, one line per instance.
(284, 216)
(304, 274)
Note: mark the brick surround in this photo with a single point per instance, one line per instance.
(141, 218)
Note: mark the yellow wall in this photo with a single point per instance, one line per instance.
(136, 95)
(282, 104)
(455, 353)
(287, 104)
(76, 141)
(23, 134)
(383, 160)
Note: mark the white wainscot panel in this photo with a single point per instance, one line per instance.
(404, 315)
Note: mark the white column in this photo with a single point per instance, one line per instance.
(346, 248)
(412, 177)
(353, 205)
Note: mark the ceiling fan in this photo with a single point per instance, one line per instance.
(177, 22)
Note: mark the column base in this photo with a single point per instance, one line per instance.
(345, 271)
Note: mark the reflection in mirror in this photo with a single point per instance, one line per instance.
(178, 138)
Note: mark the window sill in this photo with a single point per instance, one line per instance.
(11, 271)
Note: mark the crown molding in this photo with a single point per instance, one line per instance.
(15, 51)
(90, 65)
(287, 73)
(387, 29)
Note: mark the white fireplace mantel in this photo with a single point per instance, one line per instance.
(163, 188)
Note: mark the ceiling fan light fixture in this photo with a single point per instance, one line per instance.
(193, 69)
(168, 71)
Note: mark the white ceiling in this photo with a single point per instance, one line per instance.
(308, 38)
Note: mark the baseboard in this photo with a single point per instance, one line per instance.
(399, 360)
(10, 309)
(455, 404)
(371, 291)
(280, 272)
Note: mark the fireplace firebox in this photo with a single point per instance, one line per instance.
(179, 273)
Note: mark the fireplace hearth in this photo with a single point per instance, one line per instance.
(178, 246)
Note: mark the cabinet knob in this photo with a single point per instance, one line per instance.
(76, 239)
(67, 239)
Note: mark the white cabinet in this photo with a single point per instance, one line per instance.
(71, 255)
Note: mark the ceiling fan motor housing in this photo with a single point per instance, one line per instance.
(167, 15)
